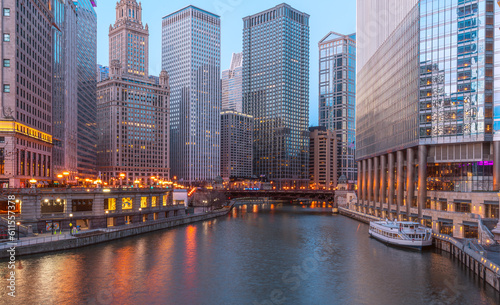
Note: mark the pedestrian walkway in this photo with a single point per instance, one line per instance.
(49, 237)
(32, 240)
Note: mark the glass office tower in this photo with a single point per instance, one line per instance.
(191, 56)
(456, 93)
(426, 112)
(276, 93)
(337, 97)
(87, 88)
(232, 84)
(64, 89)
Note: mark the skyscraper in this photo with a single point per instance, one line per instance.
(65, 88)
(102, 73)
(191, 56)
(428, 149)
(323, 158)
(236, 144)
(337, 96)
(87, 86)
(129, 39)
(232, 85)
(26, 93)
(133, 109)
(276, 92)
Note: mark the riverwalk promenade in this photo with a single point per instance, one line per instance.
(47, 243)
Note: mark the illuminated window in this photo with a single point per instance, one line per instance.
(144, 202)
(126, 203)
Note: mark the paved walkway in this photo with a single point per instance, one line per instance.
(49, 237)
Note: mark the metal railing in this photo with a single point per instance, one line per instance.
(483, 228)
(34, 241)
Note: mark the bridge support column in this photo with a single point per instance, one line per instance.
(391, 190)
(400, 182)
(422, 179)
(383, 182)
(410, 180)
(376, 185)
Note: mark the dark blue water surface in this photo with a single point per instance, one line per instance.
(259, 254)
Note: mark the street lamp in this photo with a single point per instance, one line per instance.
(122, 176)
(18, 225)
(140, 210)
(71, 223)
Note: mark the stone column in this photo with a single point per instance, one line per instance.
(496, 166)
(383, 182)
(400, 181)
(98, 205)
(369, 185)
(390, 180)
(410, 179)
(422, 179)
(68, 207)
(376, 185)
(119, 202)
(360, 181)
(365, 180)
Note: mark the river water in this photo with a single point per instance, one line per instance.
(259, 254)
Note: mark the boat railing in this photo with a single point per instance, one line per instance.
(404, 236)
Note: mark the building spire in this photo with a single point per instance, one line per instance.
(129, 39)
(128, 11)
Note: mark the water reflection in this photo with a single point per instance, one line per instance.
(259, 253)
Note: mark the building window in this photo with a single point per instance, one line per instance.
(6, 62)
(6, 88)
(6, 37)
(6, 11)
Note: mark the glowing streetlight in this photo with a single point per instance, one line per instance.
(18, 225)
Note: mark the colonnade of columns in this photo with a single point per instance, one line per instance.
(386, 183)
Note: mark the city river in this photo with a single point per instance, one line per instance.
(260, 254)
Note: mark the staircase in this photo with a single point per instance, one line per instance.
(27, 231)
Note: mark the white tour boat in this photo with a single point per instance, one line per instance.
(401, 233)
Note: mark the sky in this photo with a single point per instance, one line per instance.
(326, 15)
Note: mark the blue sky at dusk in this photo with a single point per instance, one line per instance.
(326, 15)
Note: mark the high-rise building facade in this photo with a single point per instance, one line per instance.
(133, 110)
(129, 39)
(428, 149)
(323, 158)
(276, 93)
(236, 144)
(232, 84)
(337, 97)
(26, 93)
(87, 86)
(191, 56)
(65, 89)
(102, 73)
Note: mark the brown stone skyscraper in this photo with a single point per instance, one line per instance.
(133, 109)
(129, 38)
